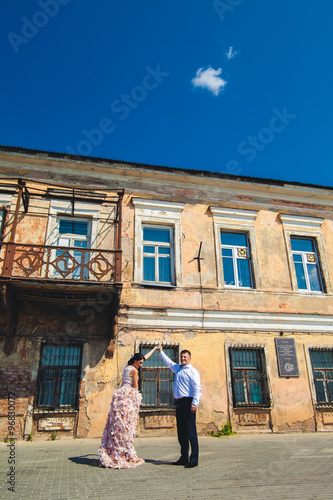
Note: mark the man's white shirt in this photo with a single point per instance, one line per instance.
(187, 380)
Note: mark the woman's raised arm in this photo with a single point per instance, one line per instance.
(147, 356)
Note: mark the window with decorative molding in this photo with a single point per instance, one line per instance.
(157, 252)
(236, 254)
(249, 377)
(322, 373)
(73, 232)
(66, 231)
(236, 260)
(155, 379)
(306, 262)
(306, 254)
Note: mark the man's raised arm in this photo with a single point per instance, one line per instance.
(166, 360)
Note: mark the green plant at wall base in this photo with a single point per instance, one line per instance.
(225, 431)
(54, 435)
(6, 439)
(29, 438)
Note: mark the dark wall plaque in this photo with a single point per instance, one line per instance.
(286, 356)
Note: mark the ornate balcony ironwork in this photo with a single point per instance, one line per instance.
(45, 262)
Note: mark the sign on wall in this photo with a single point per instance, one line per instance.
(286, 356)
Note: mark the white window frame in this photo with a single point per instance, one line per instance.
(5, 201)
(235, 220)
(306, 228)
(158, 213)
(305, 262)
(63, 209)
(235, 257)
(156, 245)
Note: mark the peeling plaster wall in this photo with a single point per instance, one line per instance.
(292, 408)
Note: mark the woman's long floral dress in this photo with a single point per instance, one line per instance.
(117, 450)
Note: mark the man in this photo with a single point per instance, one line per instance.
(187, 392)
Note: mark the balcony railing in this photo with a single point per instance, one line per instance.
(45, 262)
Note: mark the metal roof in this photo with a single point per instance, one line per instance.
(204, 173)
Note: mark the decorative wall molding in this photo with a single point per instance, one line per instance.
(233, 213)
(157, 205)
(303, 222)
(225, 320)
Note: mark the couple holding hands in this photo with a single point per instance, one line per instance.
(117, 450)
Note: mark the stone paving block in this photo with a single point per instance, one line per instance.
(274, 467)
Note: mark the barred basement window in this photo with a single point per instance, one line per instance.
(58, 378)
(156, 380)
(249, 377)
(322, 367)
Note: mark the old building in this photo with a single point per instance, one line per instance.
(101, 258)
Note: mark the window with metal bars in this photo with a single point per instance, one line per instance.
(249, 377)
(322, 369)
(156, 380)
(58, 378)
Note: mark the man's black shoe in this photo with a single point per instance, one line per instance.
(181, 461)
(189, 465)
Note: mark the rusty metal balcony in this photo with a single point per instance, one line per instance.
(19, 261)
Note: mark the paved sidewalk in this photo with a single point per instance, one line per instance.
(247, 467)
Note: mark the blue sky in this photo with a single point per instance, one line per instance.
(236, 86)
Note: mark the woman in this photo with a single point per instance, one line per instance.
(117, 450)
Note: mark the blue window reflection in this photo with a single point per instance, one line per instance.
(236, 260)
(157, 254)
(306, 264)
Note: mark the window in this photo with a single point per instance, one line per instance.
(64, 230)
(322, 368)
(58, 378)
(309, 271)
(157, 242)
(236, 260)
(156, 380)
(157, 251)
(235, 248)
(2, 221)
(73, 233)
(306, 264)
(249, 378)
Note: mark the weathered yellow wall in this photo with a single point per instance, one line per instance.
(292, 407)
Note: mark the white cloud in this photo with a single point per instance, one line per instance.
(231, 53)
(209, 79)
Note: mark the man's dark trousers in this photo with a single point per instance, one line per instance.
(187, 429)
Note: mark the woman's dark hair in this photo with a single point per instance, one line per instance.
(137, 357)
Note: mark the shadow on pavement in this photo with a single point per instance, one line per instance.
(84, 460)
(156, 462)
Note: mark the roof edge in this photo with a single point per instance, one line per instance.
(194, 172)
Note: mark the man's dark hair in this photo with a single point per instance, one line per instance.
(184, 351)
